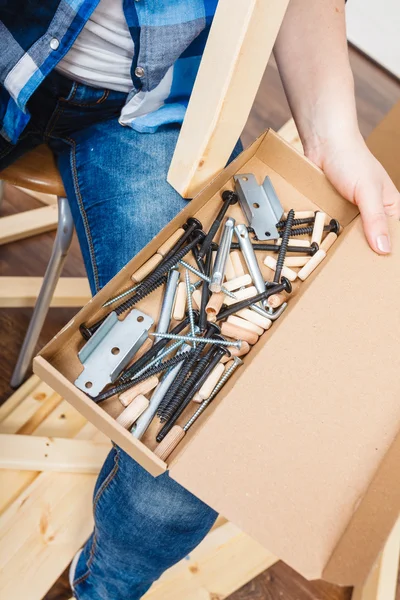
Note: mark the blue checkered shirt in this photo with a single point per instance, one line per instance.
(169, 38)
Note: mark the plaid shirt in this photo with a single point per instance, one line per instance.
(169, 38)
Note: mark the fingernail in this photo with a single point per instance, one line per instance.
(383, 243)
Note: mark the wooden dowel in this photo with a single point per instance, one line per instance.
(196, 297)
(140, 388)
(237, 264)
(241, 295)
(255, 318)
(238, 282)
(296, 261)
(180, 302)
(312, 264)
(319, 225)
(166, 246)
(170, 442)
(239, 322)
(328, 241)
(214, 304)
(270, 262)
(277, 300)
(238, 333)
(210, 383)
(147, 268)
(245, 349)
(133, 411)
(229, 270)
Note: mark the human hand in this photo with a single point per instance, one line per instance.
(360, 178)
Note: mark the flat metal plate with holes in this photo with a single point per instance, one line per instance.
(260, 204)
(110, 349)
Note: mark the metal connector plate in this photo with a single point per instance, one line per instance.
(110, 349)
(260, 204)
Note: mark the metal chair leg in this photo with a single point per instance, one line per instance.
(1, 192)
(60, 250)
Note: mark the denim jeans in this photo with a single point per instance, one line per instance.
(115, 180)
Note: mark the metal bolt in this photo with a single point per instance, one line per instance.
(284, 246)
(204, 277)
(229, 198)
(218, 272)
(190, 305)
(200, 340)
(168, 300)
(205, 292)
(236, 363)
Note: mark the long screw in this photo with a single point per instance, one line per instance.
(205, 340)
(121, 295)
(157, 359)
(190, 387)
(334, 226)
(204, 277)
(190, 227)
(152, 352)
(205, 292)
(229, 198)
(310, 251)
(284, 246)
(190, 305)
(304, 221)
(284, 286)
(118, 389)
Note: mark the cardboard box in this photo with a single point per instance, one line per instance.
(301, 448)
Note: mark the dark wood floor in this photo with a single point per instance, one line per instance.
(376, 93)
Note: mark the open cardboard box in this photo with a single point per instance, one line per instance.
(301, 448)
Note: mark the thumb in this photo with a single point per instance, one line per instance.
(374, 219)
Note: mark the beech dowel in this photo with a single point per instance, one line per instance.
(180, 302)
(170, 442)
(238, 282)
(276, 300)
(245, 349)
(140, 388)
(133, 411)
(239, 322)
(302, 214)
(241, 295)
(312, 264)
(319, 225)
(147, 268)
(166, 247)
(270, 262)
(328, 241)
(210, 383)
(237, 264)
(229, 269)
(196, 297)
(255, 318)
(238, 333)
(214, 304)
(296, 261)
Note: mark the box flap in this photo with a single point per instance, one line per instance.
(289, 457)
(384, 142)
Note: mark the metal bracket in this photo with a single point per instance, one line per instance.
(110, 349)
(260, 204)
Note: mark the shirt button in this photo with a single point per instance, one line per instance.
(139, 72)
(54, 43)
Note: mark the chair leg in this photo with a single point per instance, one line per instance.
(1, 192)
(60, 250)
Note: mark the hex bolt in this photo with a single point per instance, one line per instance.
(177, 433)
(229, 198)
(204, 277)
(218, 271)
(284, 246)
(284, 286)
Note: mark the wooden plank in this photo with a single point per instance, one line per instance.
(290, 134)
(37, 453)
(18, 396)
(23, 291)
(225, 561)
(28, 223)
(382, 581)
(45, 198)
(239, 45)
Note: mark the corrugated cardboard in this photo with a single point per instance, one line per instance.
(300, 447)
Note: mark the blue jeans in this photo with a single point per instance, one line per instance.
(115, 179)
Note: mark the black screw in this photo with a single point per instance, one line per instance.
(284, 246)
(284, 286)
(191, 386)
(205, 291)
(228, 198)
(276, 247)
(304, 221)
(334, 226)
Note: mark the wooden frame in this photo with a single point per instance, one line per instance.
(28, 223)
(23, 291)
(236, 55)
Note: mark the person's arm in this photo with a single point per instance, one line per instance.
(312, 56)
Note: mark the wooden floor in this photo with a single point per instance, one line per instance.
(376, 93)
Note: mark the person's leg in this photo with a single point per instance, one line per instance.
(115, 180)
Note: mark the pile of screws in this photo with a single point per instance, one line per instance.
(217, 317)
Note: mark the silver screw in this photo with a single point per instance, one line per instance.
(190, 305)
(157, 359)
(200, 340)
(236, 363)
(122, 295)
(205, 278)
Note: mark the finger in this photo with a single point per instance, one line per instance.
(370, 203)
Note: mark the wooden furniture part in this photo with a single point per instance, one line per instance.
(18, 292)
(236, 55)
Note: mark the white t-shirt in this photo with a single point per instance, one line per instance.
(102, 54)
